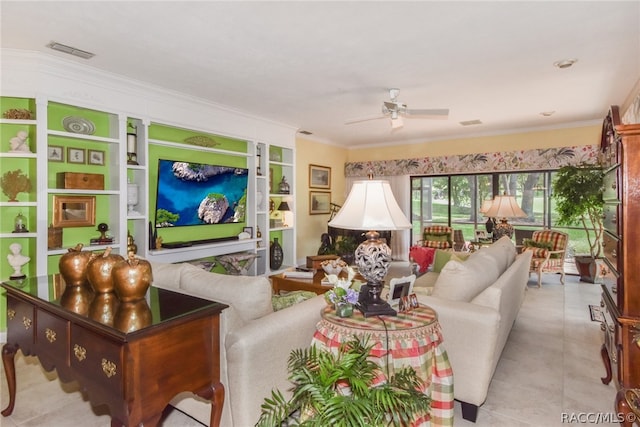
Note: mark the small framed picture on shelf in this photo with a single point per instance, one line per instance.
(319, 202)
(74, 211)
(76, 155)
(248, 230)
(55, 153)
(319, 177)
(95, 157)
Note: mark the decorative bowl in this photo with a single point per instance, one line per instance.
(333, 266)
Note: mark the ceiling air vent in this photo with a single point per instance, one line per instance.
(471, 122)
(71, 50)
(306, 132)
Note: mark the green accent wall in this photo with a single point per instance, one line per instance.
(191, 153)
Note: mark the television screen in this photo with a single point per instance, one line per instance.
(199, 194)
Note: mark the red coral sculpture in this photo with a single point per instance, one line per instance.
(14, 182)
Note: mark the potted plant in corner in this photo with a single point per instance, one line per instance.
(578, 193)
(336, 390)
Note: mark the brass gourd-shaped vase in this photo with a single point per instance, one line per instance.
(73, 265)
(131, 278)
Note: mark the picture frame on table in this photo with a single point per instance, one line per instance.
(76, 155)
(400, 287)
(95, 157)
(481, 235)
(55, 153)
(319, 177)
(319, 202)
(248, 230)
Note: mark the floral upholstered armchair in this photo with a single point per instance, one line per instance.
(438, 237)
(549, 247)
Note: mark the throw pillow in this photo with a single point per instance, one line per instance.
(421, 256)
(442, 257)
(287, 300)
(462, 281)
(533, 244)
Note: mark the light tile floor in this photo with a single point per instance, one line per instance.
(550, 366)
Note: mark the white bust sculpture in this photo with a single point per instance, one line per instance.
(19, 143)
(17, 260)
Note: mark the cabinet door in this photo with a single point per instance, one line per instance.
(52, 339)
(21, 318)
(98, 362)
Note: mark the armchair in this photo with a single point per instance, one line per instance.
(438, 237)
(548, 247)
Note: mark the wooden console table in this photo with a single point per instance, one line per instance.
(133, 357)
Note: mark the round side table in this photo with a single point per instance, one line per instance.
(410, 339)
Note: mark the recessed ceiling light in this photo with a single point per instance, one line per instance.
(565, 63)
(547, 113)
(71, 50)
(471, 122)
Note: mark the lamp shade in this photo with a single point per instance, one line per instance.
(485, 206)
(505, 207)
(284, 206)
(370, 206)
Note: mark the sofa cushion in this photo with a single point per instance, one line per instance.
(441, 257)
(503, 252)
(462, 281)
(250, 296)
(287, 300)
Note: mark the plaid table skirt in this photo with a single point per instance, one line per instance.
(410, 339)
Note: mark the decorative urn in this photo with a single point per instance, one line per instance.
(131, 278)
(99, 271)
(73, 265)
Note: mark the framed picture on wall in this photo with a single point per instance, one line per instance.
(319, 176)
(319, 202)
(55, 153)
(96, 157)
(75, 155)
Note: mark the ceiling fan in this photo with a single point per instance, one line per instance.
(395, 110)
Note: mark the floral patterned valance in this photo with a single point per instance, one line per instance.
(537, 159)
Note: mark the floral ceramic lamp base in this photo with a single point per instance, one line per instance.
(373, 258)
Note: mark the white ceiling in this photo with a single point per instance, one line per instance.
(314, 65)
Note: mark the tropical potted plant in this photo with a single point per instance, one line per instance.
(577, 191)
(336, 390)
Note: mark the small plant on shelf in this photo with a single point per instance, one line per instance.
(13, 183)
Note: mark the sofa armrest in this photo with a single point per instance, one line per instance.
(470, 334)
(258, 352)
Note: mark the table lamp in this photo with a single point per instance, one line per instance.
(491, 222)
(504, 207)
(284, 208)
(371, 206)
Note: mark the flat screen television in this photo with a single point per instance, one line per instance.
(200, 194)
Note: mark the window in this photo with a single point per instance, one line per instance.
(456, 201)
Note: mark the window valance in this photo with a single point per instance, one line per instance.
(522, 160)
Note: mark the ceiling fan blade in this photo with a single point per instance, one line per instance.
(434, 113)
(364, 119)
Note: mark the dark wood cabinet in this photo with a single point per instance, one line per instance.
(621, 292)
(134, 368)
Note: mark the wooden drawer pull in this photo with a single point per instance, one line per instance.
(80, 352)
(50, 334)
(26, 322)
(108, 367)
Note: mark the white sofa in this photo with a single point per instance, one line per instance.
(477, 301)
(255, 341)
